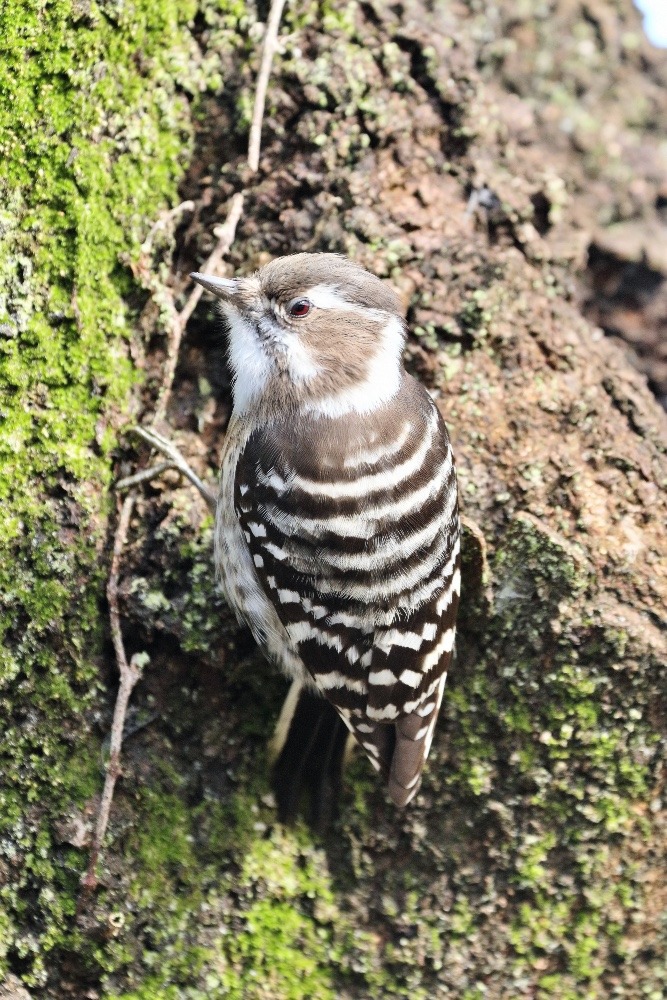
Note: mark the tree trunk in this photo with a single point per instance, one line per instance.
(482, 160)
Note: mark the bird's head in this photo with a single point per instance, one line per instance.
(311, 333)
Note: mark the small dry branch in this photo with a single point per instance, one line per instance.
(227, 231)
(144, 476)
(268, 51)
(176, 461)
(225, 234)
(129, 675)
(173, 213)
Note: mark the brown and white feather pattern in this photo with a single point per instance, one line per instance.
(339, 542)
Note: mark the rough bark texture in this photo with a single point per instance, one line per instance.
(532, 864)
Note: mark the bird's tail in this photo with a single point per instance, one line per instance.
(308, 751)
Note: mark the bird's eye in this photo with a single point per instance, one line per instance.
(300, 307)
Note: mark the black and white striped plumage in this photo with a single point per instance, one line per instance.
(337, 531)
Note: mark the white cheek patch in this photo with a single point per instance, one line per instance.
(299, 361)
(287, 345)
(380, 385)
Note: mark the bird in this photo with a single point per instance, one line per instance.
(337, 537)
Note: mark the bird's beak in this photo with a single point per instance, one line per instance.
(222, 288)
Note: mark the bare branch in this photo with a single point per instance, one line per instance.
(177, 461)
(270, 43)
(129, 675)
(142, 477)
(173, 213)
(227, 232)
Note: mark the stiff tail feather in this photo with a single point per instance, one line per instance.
(308, 751)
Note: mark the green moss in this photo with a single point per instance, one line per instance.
(7, 935)
(268, 915)
(540, 722)
(281, 951)
(94, 135)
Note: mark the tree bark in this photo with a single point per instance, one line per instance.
(473, 157)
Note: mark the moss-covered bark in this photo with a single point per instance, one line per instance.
(95, 131)
(531, 863)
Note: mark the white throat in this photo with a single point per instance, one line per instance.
(251, 365)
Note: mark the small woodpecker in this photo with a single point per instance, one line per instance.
(337, 531)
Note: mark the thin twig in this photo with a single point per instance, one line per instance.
(173, 213)
(142, 477)
(227, 232)
(177, 461)
(270, 44)
(129, 675)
